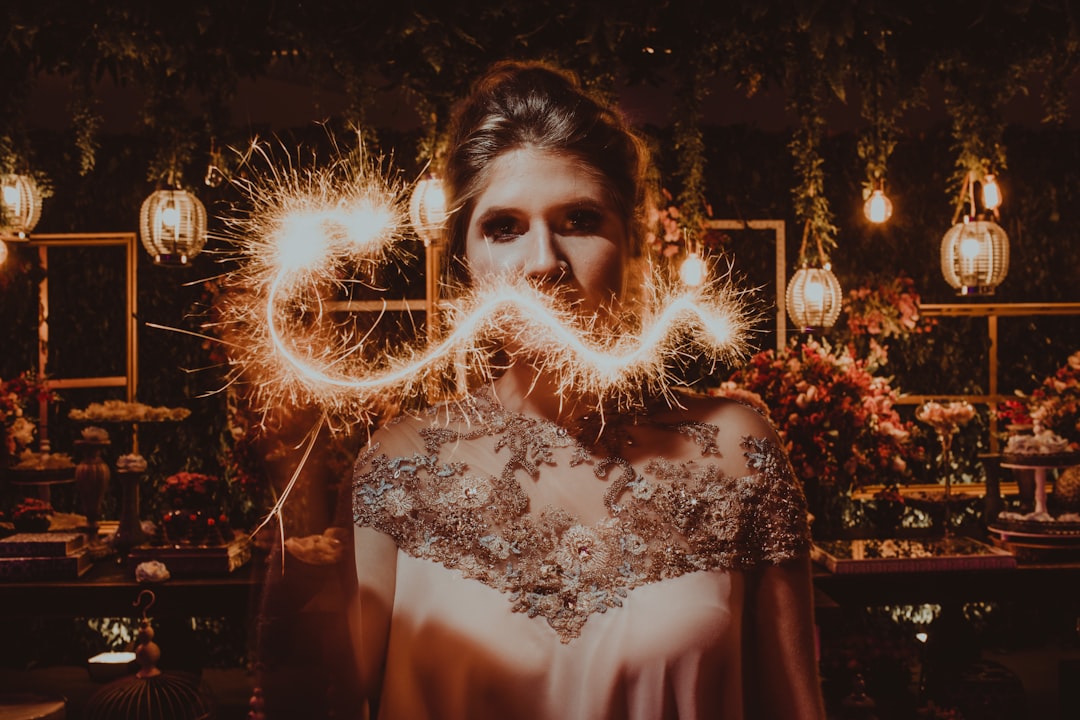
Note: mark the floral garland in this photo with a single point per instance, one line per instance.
(837, 419)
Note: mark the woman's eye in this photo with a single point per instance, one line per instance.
(501, 229)
(584, 221)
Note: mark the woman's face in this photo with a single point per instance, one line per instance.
(549, 217)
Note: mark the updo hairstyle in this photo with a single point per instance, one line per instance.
(531, 105)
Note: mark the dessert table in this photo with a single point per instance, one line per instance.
(109, 589)
(1039, 583)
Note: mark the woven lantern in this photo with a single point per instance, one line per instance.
(172, 226)
(20, 206)
(814, 298)
(427, 209)
(975, 256)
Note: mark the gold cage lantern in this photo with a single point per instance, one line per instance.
(172, 226)
(814, 298)
(975, 256)
(20, 206)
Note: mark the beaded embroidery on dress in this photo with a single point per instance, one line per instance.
(665, 521)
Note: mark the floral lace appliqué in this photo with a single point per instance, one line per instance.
(668, 520)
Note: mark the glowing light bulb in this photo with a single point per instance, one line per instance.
(970, 248)
(170, 217)
(991, 193)
(814, 293)
(922, 637)
(877, 208)
(11, 196)
(693, 270)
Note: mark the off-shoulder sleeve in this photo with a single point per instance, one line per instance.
(775, 525)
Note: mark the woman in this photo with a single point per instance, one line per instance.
(516, 556)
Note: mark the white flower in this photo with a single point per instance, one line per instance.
(22, 431)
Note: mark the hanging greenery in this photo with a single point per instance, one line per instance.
(878, 140)
(688, 139)
(808, 195)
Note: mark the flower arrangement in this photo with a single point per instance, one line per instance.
(837, 419)
(16, 395)
(121, 411)
(666, 234)
(190, 490)
(886, 308)
(882, 312)
(1055, 404)
(32, 515)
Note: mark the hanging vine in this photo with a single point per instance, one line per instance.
(689, 140)
(808, 195)
(975, 92)
(877, 142)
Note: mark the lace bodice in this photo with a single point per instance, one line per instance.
(664, 519)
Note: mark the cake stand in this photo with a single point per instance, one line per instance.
(1038, 533)
(1040, 466)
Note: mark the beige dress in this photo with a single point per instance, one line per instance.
(543, 575)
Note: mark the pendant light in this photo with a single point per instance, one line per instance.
(20, 206)
(975, 250)
(172, 226)
(814, 296)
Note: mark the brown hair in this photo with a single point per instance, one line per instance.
(519, 105)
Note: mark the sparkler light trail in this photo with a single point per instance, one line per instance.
(310, 232)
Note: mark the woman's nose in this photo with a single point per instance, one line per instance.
(543, 260)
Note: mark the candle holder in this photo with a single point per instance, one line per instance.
(946, 419)
(91, 479)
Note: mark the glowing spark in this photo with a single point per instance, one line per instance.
(309, 230)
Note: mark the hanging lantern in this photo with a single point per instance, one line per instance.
(172, 225)
(814, 298)
(20, 205)
(975, 256)
(427, 209)
(878, 207)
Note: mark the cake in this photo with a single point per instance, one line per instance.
(1043, 448)
(35, 461)
(95, 434)
(131, 463)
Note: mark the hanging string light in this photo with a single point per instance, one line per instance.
(991, 193)
(20, 206)
(693, 270)
(878, 207)
(877, 142)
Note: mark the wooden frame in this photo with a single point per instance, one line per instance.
(779, 239)
(129, 380)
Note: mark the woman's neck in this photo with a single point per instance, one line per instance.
(526, 390)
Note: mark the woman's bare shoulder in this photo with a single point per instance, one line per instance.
(731, 416)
